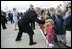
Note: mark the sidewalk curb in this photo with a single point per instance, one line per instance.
(43, 36)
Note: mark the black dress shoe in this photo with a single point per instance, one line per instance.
(33, 43)
(18, 39)
(5, 28)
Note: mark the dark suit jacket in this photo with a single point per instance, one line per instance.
(29, 16)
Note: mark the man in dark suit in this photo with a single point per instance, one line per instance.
(23, 24)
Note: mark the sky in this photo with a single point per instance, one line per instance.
(24, 5)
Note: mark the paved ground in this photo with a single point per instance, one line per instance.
(8, 37)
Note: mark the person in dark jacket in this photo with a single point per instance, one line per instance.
(68, 27)
(23, 24)
(59, 26)
(3, 20)
(5, 17)
(10, 16)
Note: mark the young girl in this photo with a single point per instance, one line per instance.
(49, 27)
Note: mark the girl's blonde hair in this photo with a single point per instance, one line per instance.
(50, 20)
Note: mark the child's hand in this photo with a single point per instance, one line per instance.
(45, 25)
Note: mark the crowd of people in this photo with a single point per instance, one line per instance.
(55, 23)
